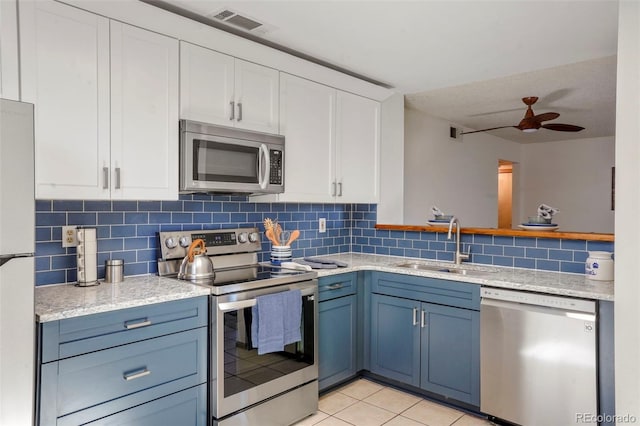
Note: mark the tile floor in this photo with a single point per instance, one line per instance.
(366, 403)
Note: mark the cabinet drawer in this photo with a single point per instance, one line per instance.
(336, 286)
(76, 336)
(444, 292)
(187, 407)
(138, 371)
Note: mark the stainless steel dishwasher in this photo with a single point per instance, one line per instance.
(537, 358)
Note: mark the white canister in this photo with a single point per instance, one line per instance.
(599, 266)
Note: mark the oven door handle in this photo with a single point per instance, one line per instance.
(241, 304)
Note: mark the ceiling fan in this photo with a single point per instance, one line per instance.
(531, 123)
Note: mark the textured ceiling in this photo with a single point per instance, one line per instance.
(461, 60)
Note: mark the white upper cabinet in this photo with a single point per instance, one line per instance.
(220, 89)
(332, 144)
(306, 119)
(144, 114)
(65, 73)
(106, 112)
(9, 69)
(358, 149)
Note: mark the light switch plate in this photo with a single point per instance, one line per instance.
(322, 225)
(69, 236)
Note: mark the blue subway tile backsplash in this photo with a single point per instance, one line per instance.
(128, 230)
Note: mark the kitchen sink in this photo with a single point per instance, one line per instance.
(450, 269)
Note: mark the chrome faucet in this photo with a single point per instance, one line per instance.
(459, 256)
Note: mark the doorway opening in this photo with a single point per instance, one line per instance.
(505, 194)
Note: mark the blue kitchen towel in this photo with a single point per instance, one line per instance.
(267, 326)
(276, 321)
(292, 316)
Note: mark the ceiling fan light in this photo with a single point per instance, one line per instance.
(532, 130)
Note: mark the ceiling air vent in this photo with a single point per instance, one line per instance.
(237, 20)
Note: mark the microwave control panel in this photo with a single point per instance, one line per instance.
(275, 168)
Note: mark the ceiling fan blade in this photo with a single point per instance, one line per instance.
(486, 130)
(546, 116)
(562, 127)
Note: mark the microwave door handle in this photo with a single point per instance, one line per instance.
(264, 166)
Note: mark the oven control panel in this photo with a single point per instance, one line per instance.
(175, 244)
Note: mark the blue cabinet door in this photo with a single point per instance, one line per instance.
(336, 340)
(395, 338)
(450, 352)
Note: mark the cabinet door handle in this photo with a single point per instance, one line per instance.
(117, 177)
(339, 189)
(136, 375)
(105, 178)
(415, 316)
(335, 286)
(239, 111)
(333, 191)
(233, 111)
(129, 325)
(423, 320)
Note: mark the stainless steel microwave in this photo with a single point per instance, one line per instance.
(218, 159)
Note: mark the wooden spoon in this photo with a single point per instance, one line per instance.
(294, 236)
(271, 237)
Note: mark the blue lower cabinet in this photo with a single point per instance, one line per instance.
(336, 340)
(450, 352)
(337, 329)
(434, 347)
(395, 338)
(151, 369)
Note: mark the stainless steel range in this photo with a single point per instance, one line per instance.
(246, 388)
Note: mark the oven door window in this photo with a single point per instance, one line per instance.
(245, 369)
(225, 162)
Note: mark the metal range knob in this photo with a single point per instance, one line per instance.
(184, 242)
(253, 237)
(242, 237)
(170, 243)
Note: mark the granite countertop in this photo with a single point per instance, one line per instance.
(55, 302)
(562, 284)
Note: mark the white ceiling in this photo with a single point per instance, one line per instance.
(464, 61)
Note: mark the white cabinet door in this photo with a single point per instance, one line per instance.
(306, 114)
(65, 73)
(206, 85)
(220, 89)
(358, 147)
(256, 95)
(9, 70)
(144, 114)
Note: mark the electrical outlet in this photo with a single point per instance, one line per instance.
(322, 225)
(69, 236)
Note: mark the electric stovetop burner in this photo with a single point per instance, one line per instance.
(232, 280)
(234, 256)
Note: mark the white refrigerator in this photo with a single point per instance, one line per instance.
(17, 272)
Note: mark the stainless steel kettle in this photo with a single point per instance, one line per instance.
(196, 266)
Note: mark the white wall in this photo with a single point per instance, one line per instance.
(627, 287)
(573, 176)
(390, 208)
(460, 178)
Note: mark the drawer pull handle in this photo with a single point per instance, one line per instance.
(335, 286)
(139, 324)
(136, 375)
